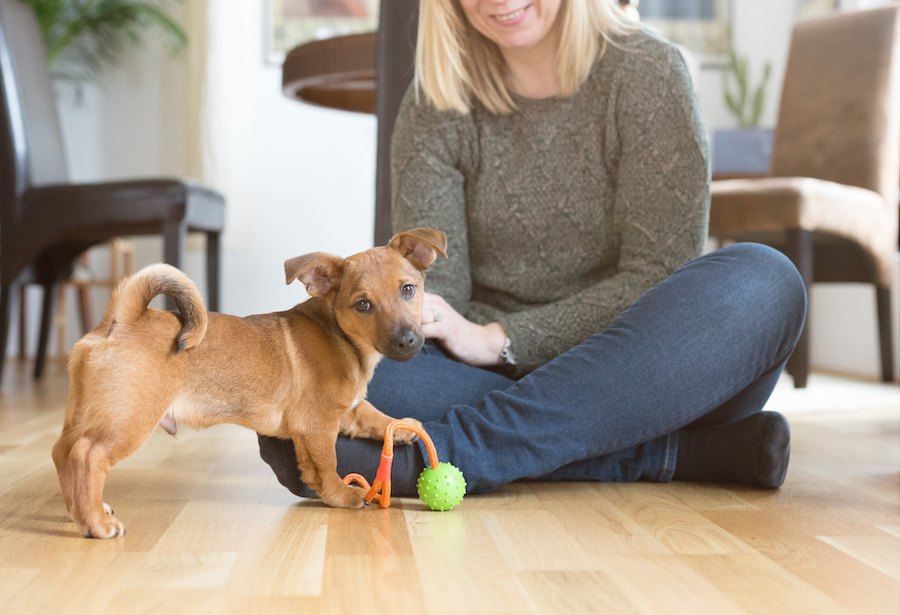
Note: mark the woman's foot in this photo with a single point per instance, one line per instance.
(361, 456)
(753, 451)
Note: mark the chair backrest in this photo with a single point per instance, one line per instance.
(30, 138)
(839, 117)
(396, 51)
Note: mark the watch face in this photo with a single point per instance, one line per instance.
(506, 354)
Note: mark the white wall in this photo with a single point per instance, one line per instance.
(308, 173)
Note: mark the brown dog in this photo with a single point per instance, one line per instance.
(300, 374)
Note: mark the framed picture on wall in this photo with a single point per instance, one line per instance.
(700, 26)
(814, 8)
(289, 23)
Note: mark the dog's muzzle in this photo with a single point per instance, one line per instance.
(404, 344)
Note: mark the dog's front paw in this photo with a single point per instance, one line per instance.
(346, 496)
(403, 436)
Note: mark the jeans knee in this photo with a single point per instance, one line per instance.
(771, 282)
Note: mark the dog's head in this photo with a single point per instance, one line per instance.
(376, 295)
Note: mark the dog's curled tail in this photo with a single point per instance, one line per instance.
(131, 297)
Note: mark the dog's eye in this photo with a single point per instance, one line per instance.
(407, 291)
(363, 305)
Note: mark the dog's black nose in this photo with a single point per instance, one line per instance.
(407, 341)
(405, 344)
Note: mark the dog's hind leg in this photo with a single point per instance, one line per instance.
(91, 458)
(60, 456)
(90, 463)
(75, 409)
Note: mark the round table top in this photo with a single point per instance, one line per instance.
(338, 72)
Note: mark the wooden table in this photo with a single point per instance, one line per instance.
(338, 73)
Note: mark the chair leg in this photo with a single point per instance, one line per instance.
(174, 237)
(212, 271)
(47, 311)
(84, 290)
(60, 322)
(84, 307)
(800, 251)
(23, 322)
(6, 292)
(885, 342)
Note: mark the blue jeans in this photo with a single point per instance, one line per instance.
(705, 346)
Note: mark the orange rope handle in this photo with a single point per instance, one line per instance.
(359, 479)
(404, 426)
(372, 491)
(380, 489)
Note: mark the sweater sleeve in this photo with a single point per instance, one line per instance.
(428, 189)
(661, 209)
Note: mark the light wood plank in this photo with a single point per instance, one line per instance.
(534, 540)
(293, 550)
(573, 592)
(665, 584)
(882, 553)
(460, 569)
(788, 538)
(682, 529)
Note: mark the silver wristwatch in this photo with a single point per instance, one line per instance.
(506, 355)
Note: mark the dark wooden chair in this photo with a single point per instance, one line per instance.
(46, 221)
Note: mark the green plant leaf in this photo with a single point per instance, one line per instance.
(732, 104)
(84, 36)
(759, 99)
(744, 101)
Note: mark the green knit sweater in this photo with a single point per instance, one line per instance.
(561, 214)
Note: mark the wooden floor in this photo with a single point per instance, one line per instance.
(210, 530)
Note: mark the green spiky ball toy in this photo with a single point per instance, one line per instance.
(441, 488)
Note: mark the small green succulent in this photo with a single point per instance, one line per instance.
(744, 101)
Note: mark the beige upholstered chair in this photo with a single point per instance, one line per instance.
(830, 202)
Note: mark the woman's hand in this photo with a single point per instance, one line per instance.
(471, 343)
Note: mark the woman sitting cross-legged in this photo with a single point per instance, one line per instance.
(576, 331)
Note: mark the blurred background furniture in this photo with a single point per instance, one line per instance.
(367, 73)
(82, 280)
(396, 67)
(830, 200)
(337, 72)
(46, 221)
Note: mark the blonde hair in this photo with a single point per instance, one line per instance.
(455, 63)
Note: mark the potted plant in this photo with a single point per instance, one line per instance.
(746, 149)
(83, 36)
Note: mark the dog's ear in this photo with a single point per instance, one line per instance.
(420, 246)
(320, 272)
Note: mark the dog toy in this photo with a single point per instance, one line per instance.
(441, 485)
